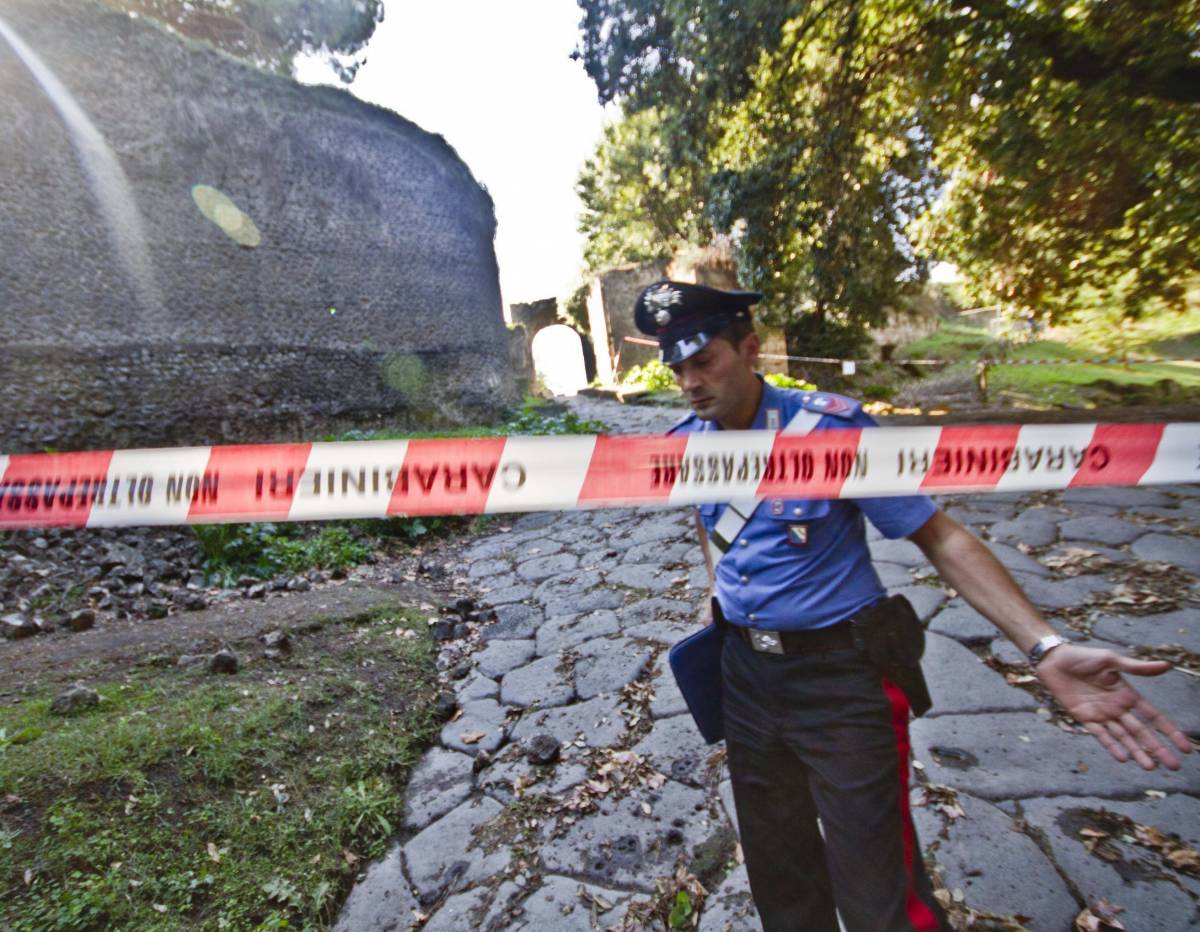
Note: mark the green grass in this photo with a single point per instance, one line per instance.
(191, 801)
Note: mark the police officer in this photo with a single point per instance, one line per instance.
(812, 727)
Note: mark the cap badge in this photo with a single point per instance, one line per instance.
(661, 300)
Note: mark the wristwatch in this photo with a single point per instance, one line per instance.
(1039, 650)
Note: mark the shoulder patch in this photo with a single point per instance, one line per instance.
(829, 403)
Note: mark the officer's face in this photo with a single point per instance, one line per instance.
(719, 382)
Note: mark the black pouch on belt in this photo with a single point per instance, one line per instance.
(893, 638)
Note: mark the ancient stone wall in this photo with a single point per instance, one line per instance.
(343, 272)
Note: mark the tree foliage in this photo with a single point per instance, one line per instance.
(1048, 147)
(270, 33)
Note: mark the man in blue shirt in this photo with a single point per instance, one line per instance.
(812, 727)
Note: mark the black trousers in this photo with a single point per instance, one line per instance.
(821, 734)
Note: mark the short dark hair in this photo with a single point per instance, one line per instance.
(735, 332)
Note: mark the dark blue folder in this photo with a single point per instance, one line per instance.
(696, 663)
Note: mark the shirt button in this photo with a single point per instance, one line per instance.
(797, 511)
(745, 579)
(752, 616)
(744, 543)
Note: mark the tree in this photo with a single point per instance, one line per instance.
(1047, 146)
(270, 33)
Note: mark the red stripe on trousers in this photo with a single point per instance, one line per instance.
(919, 913)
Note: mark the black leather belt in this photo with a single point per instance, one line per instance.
(833, 637)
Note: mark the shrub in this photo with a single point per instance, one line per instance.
(653, 376)
(786, 381)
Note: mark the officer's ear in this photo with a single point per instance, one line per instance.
(749, 349)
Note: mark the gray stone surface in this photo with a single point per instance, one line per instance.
(540, 568)
(1176, 549)
(591, 601)
(505, 595)
(181, 358)
(461, 911)
(997, 867)
(1111, 531)
(500, 781)
(501, 656)
(597, 722)
(1118, 497)
(1034, 532)
(569, 630)
(961, 622)
(1179, 627)
(484, 568)
(623, 845)
(649, 576)
(662, 552)
(1049, 594)
(566, 587)
(960, 682)
(1016, 561)
(666, 632)
(676, 749)
(477, 686)
(543, 683)
(1139, 881)
(925, 599)
(607, 664)
(572, 906)
(381, 901)
(893, 575)
(437, 784)
(1014, 755)
(513, 622)
(644, 610)
(446, 856)
(668, 700)
(480, 715)
(1175, 693)
(730, 907)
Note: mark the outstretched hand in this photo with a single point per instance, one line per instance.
(1088, 683)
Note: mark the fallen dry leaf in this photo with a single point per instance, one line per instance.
(471, 737)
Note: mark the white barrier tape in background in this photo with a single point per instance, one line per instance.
(363, 479)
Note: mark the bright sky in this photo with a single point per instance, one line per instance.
(496, 80)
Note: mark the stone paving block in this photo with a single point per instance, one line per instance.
(499, 781)
(960, 682)
(381, 901)
(668, 700)
(580, 539)
(1111, 531)
(1014, 755)
(542, 683)
(566, 904)
(997, 867)
(666, 632)
(568, 630)
(1035, 532)
(645, 610)
(599, 558)
(481, 568)
(540, 568)
(513, 622)
(590, 601)
(1139, 881)
(1112, 553)
(893, 575)
(730, 907)
(1179, 627)
(698, 579)
(1118, 497)
(479, 715)
(650, 576)
(1169, 548)
(961, 622)
(1175, 693)
(461, 911)
(505, 595)
(504, 910)
(624, 846)
(501, 656)
(438, 783)
(566, 586)
(925, 599)
(597, 721)
(545, 546)
(661, 552)
(902, 552)
(444, 857)
(674, 747)
(1050, 594)
(607, 664)
(1016, 561)
(538, 521)
(477, 686)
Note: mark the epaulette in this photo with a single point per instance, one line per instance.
(829, 403)
(691, 416)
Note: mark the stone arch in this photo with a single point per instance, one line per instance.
(535, 316)
(558, 359)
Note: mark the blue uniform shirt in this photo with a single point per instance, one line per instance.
(804, 563)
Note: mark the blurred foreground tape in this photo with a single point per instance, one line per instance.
(369, 479)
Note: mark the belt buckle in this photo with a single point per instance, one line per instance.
(767, 642)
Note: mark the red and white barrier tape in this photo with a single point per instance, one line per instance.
(365, 479)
